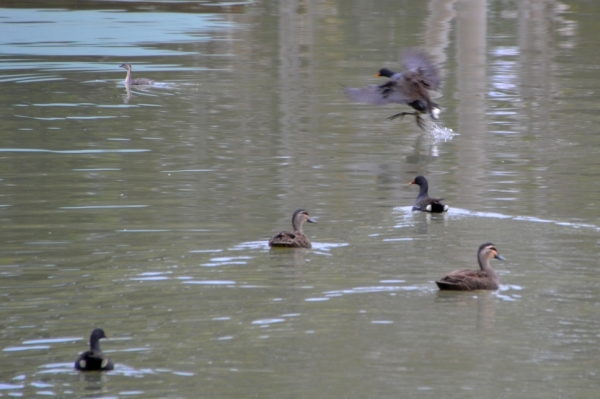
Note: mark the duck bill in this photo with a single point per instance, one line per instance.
(309, 220)
(411, 182)
(499, 257)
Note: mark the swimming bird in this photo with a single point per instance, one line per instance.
(134, 82)
(423, 203)
(409, 87)
(468, 280)
(295, 238)
(94, 359)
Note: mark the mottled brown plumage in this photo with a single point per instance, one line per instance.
(469, 280)
(296, 237)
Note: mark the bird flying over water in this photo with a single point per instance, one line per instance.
(409, 87)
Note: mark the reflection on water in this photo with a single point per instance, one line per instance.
(103, 33)
(147, 210)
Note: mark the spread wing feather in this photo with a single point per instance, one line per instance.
(416, 61)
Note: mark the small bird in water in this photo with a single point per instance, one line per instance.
(469, 280)
(423, 203)
(409, 87)
(94, 359)
(295, 238)
(134, 82)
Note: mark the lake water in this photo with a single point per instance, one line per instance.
(147, 211)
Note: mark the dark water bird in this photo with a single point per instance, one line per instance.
(94, 359)
(423, 203)
(134, 82)
(409, 87)
(469, 280)
(296, 237)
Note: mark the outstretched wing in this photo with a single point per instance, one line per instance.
(417, 61)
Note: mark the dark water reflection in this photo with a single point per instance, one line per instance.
(147, 212)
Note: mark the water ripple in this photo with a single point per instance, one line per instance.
(25, 348)
(103, 206)
(209, 282)
(90, 38)
(371, 289)
(268, 321)
(105, 151)
(11, 386)
(457, 212)
(51, 340)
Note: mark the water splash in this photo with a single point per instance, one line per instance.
(441, 133)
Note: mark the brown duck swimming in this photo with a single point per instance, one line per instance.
(295, 238)
(94, 359)
(134, 82)
(409, 87)
(469, 280)
(423, 203)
